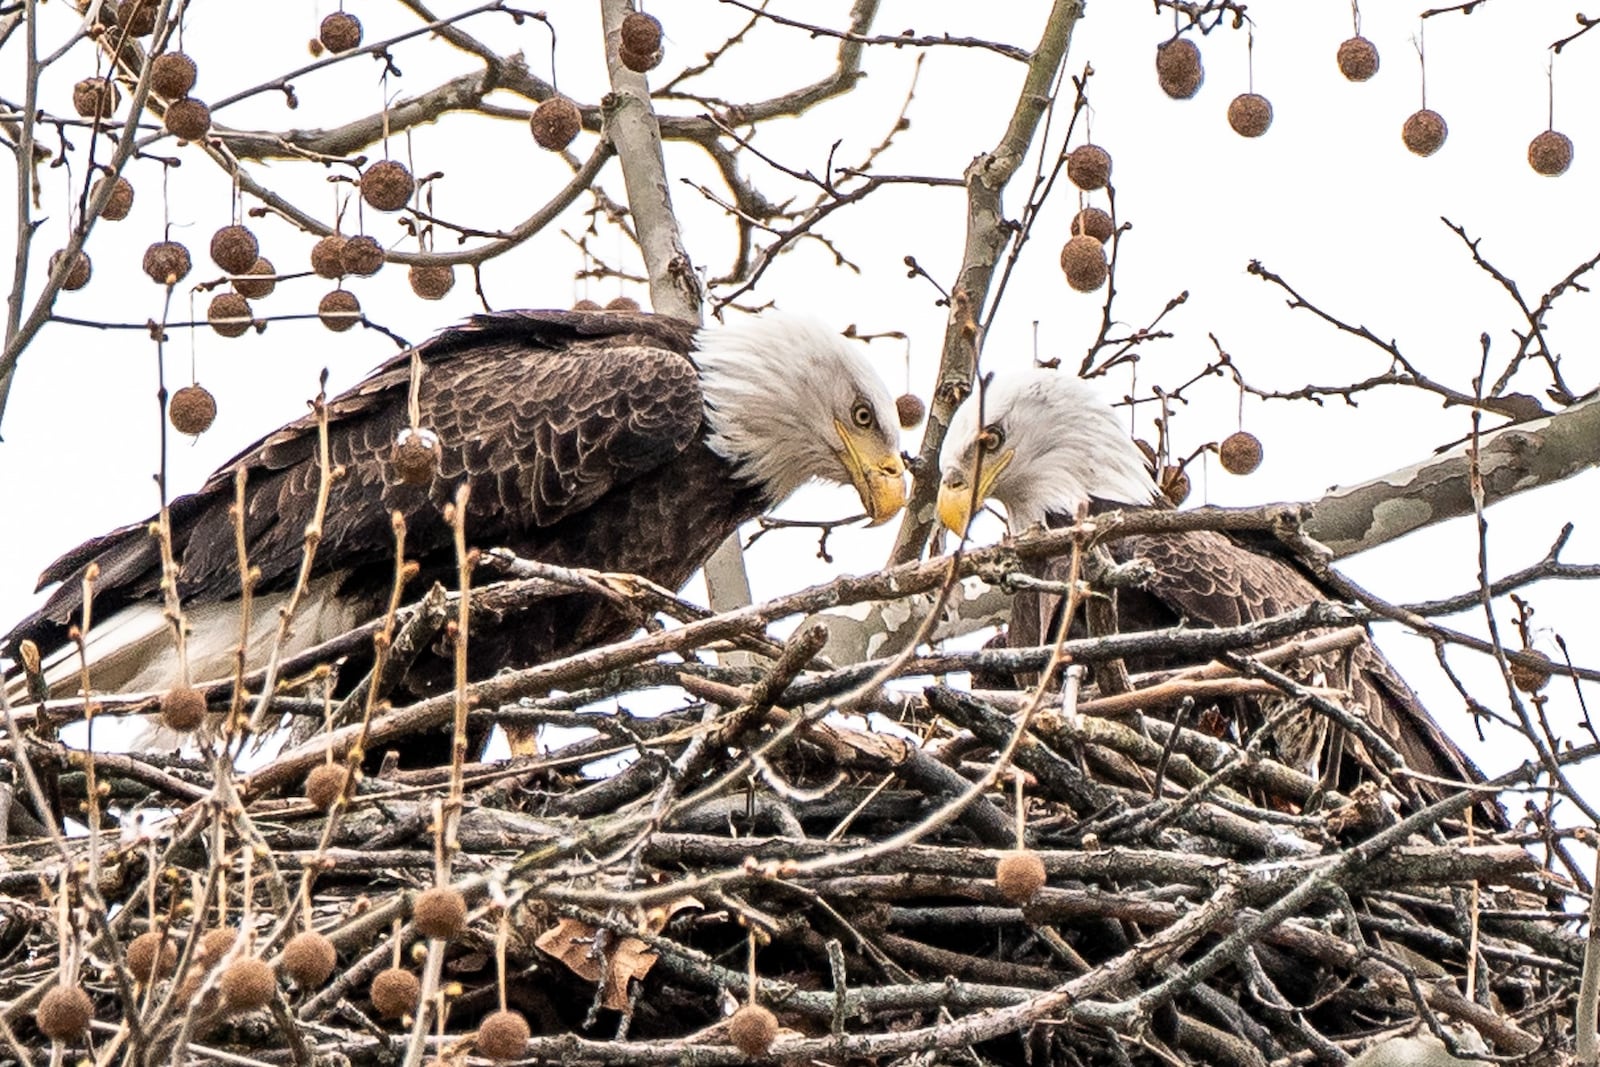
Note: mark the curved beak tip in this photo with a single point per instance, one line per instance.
(884, 493)
(955, 509)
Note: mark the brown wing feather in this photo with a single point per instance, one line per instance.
(1207, 579)
(544, 412)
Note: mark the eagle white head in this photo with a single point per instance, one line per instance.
(789, 400)
(1046, 445)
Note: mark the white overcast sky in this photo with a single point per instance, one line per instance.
(1329, 198)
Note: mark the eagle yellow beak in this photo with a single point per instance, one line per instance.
(877, 473)
(956, 496)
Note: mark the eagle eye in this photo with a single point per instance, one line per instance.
(991, 438)
(862, 414)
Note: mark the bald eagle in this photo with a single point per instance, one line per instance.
(1050, 446)
(613, 441)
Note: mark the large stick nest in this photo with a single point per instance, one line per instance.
(1203, 904)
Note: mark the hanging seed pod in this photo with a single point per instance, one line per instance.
(96, 98)
(325, 784)
(339, 310)
(1083, 261)
(247, 984)
(1095, 223)
(256, 289)
(152, 956)
(910, 409)
(440, 913)
(166, 262)
(394, 992)
(308, 959)
(327, 256)
(1530, 679)
(1358, 59)
(1250, 114)
(188, 118)
(64, 1013)
(234, 249)
(415, 456)
(78, 274)
(191, 410)
(1178, 68)
(362, 256)
(555, 123)
(229, 314)
(1175, 484)
(503, 1035)
(1550, 153)
(1020, 875)
(340, 32)
(1240, 453)
(1089, 167)
(1424, 132)
(121, 201)
(752, 1029)
(137, 18)
(387, 185)
(183, 708)
(172, 75)
(431, 281)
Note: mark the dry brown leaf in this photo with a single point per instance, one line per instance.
(573, 943)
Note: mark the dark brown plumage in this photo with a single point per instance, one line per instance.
(1051, 446)
(586, 440)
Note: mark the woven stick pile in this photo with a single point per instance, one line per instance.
(854, 849)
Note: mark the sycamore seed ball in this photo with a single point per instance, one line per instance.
(387, 185)
(1083, 261)
(639, 62)
(641, 32)
(1089, 167)
(1424, 132)
(183, 708)
(261, 287)
(78, 274)
(362, 256)
(394, 992)
(172, 75)
(1550, 153)
(586, 305)
(431, 281)
(440, 913)
(96, 98)
(215, 944)
(339, 310)
(166, 262)
(247, 984)
(555, 123)
(325, 784)
(1175, 484)
(234, 249)
(1240, 453)
(503, 1035)
(1178, 68)
(622, 303)
(121, 201)
(1020, 876)
(910, 409)
(192, 409)
(327, 256)
(1358, 59)
(308, 959)
(188, 118)
(152, 956)
(1530, 679)
(1250, 114)
(752, 1030)
(137, 17)
(1095, 223)
(340, 32)
(64, 1013)
(416, 455)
